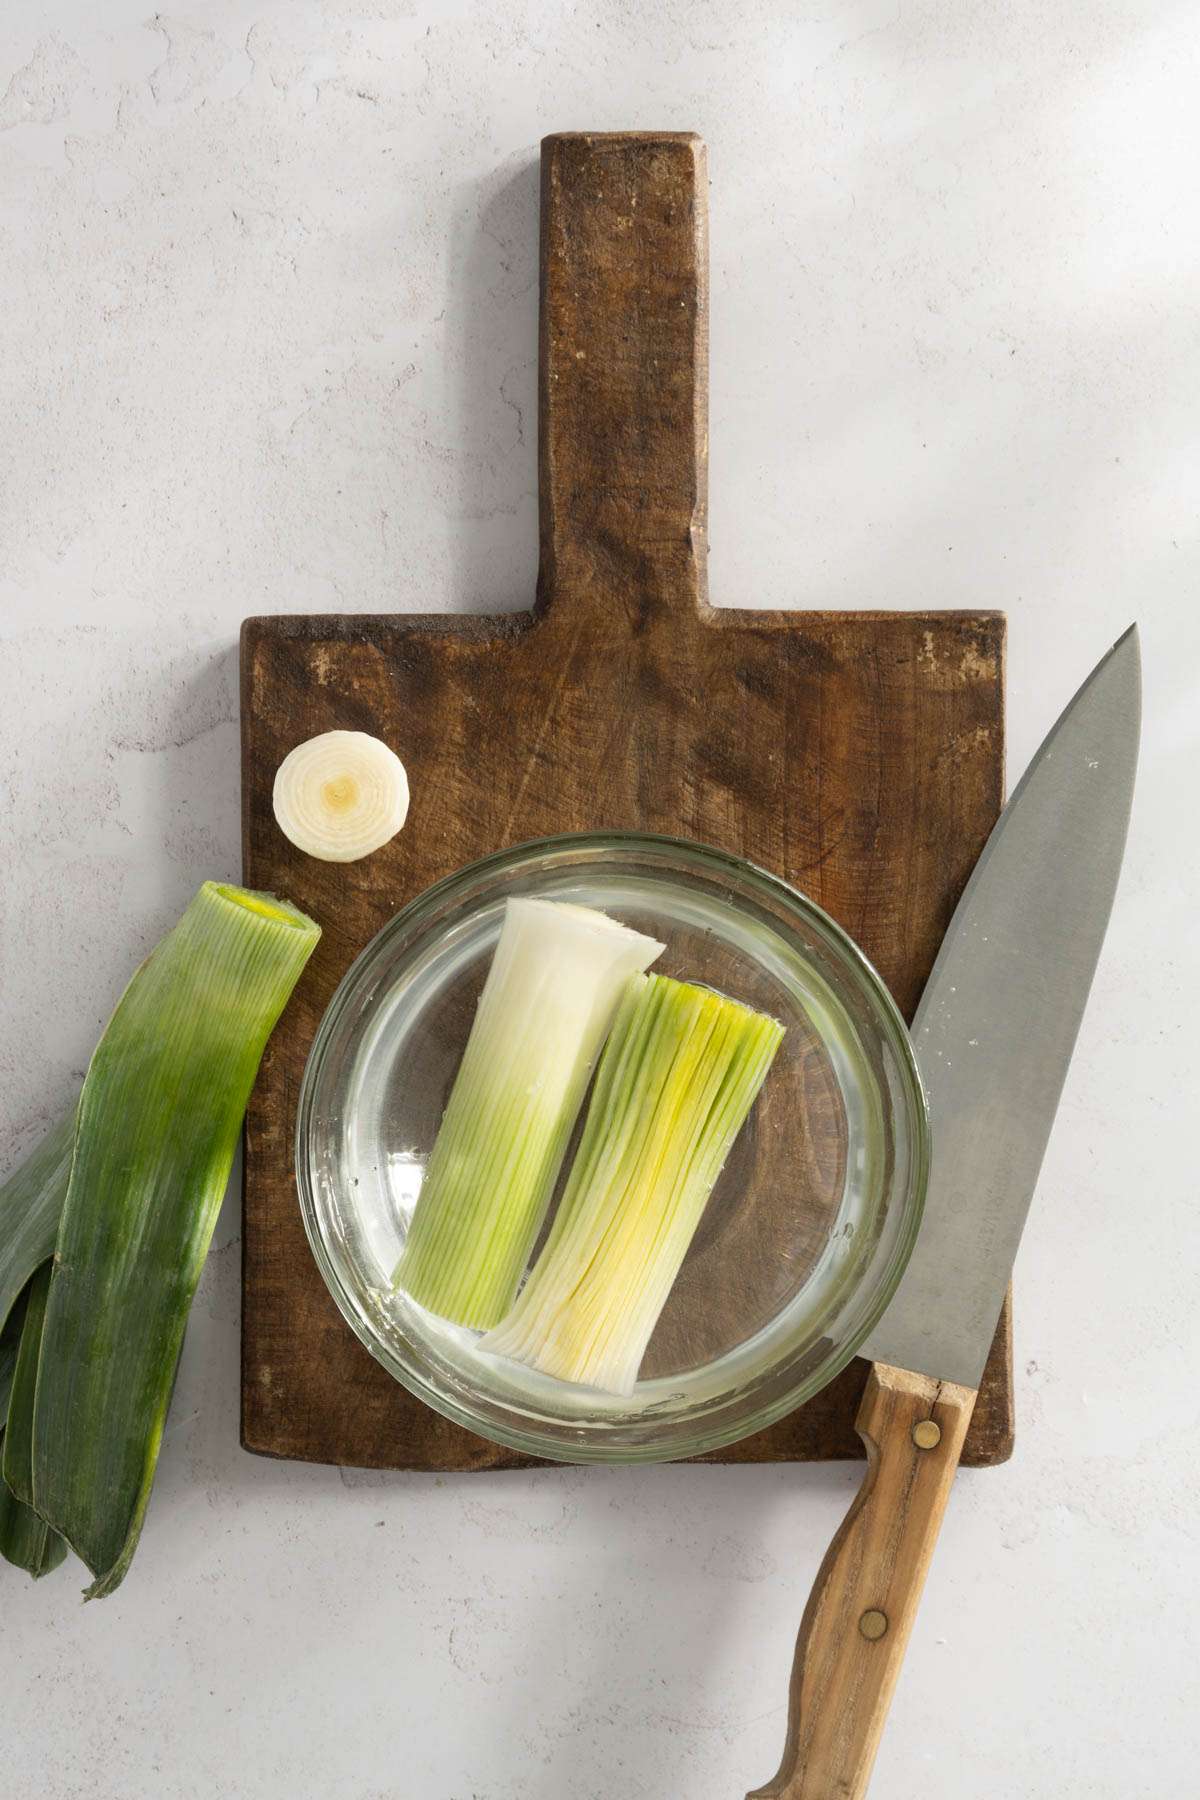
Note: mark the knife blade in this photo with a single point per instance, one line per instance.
(998, 1019)
(993, 1035)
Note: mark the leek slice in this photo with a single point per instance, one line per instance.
(156, 1132)
(25, 1539)
(341, 795)
(550, 995)
(680, 1072)
(31, 1203)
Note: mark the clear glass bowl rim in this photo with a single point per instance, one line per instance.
(593, 1450)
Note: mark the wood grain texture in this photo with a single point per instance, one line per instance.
(860, 1613)
(859, 755)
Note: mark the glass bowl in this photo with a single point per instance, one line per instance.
(807, 1231)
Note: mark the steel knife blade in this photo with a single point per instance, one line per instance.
(997, 1022)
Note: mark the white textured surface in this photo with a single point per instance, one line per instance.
(267, 344)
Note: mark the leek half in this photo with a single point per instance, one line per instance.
(156, 1131)
(681, 1070)
(553, 987)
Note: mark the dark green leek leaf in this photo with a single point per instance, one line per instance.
(10, 1342)
(17, 1459)
(31, 1202)
(8, 1362)
(157, 1127)
(25, 1539)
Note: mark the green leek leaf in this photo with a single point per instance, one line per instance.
(25, 1539)
(31, 1203)
(17, 1456)
(157, 1128)
(10, 1340)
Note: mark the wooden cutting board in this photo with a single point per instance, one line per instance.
(859, 755)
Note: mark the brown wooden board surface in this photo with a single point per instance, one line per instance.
(859, 755)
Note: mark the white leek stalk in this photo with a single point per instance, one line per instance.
(554, 985)
(681, 1070)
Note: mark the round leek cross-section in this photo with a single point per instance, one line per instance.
(341, 795)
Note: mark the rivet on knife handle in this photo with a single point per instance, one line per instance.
(857, 1623)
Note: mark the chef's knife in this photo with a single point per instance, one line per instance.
(993, 1035)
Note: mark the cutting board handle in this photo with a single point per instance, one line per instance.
(863, 1603)
(623, 381)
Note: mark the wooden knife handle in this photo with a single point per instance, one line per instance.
(860, 1612)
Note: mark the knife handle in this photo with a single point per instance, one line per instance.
(860, 1612)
